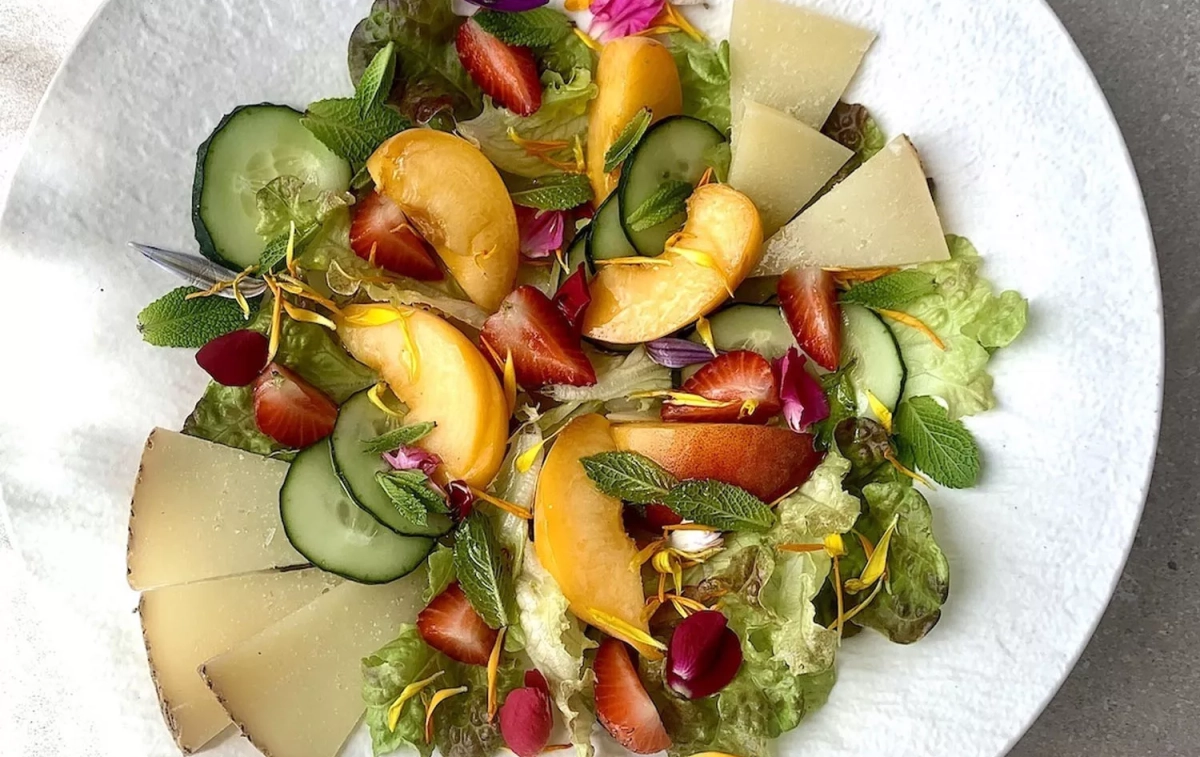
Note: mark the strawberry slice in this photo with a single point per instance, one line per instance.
(742, 380)
(507, 73)
(290, 410)
(545, 348)
(380, 225)
(451, 626)
(808, 297)
(622, 704)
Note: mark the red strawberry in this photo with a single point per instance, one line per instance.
(545, 348)
(734, 378)
(660, 515)
(622, 704)
(808, 297)
(381, 225)
(290, 410)
(451, 626)
(505, 72)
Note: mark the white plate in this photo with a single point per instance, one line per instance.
(1029, 164)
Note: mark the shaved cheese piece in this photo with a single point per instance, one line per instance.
(781, 163)
(881, 215)
(792, 59)
(295, 689)
(203, 510)
(183, 626)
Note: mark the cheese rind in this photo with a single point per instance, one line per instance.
(791, 59)
(295, 689)
(184, 626)
(203, 510)
(882, 215)
(781, 163)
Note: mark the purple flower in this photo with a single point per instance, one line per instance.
(621, 18)
(677, 353)
(413, 458)
(541, 231)
(804, 402)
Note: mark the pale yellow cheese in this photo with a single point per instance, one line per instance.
(881, 215)
(203, 510)
(295, 690)
(791, 59)
(781, 163)
(184, 626)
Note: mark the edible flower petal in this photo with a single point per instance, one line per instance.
(413, 458)
(704, 655)
(410, 691)
(677, 353)
(541, 231)
(804, 403)
(526, 720)
(573, 297)
(438, 698)
(509, 6)
(876, 565)
(493, 670)
(620, 18)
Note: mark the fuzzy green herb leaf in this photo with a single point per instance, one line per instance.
(560, 192)
(376, 81)
(338, 124)
(720, 505)
(480, 569)
(667, 202)
(629, 476)
(891, 291)
(540, 27)
(398, 438)
(410, 492)
(942, 448)
(627, 140)
(175, 321)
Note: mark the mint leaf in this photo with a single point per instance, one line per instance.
(627, 140)
(629, 476)
(410, 492)
(558, 192)
(720, 505)
(667, 202)
(339, 126)
(891, 291)
(942, 448)
(480, 570)
(174, 321)
(398, 438)
(376, 81)
(540, 27)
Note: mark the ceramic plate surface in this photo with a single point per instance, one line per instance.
(1028, 162)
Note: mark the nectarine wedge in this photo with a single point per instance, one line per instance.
(580, 536)
(442, 377)
(457, 201)
(766, 461)
(633, 304)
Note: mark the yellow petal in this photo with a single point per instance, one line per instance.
(906, 471)
(626, 630)
(802, 548)
(835, 546)
(575, 6)
(880, 410)
(675, 18)
(840, 622)
(843, 619)
(747, 409)
(876, 565)
(290, 256)
(276, 322)
(410, 691)
(702, 259)
(375, 395)
(493, 668)
(504, 505)
(375, 315)
(647, 552)
(704, 329)
(510, 383)
(690, 527)
(634, 261)
(308, 316)
(526, 459)
(914, 323)
(438, 698)
(593, 44)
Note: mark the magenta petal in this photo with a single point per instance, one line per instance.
(704, 655)
(234, 359)
(726, 663)
(573, 298)
(462, 501)
(804, 401)
(413, 458)
(541, 231)
(535, 680)
(620, 18)
(677, 353)
(525, 721)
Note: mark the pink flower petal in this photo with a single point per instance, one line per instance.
(703, 657)
(413, 458)
(621, 18)
(573, 298)
(541, 231)
(526, 720)
(804, 402)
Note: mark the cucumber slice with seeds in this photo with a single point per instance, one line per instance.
(870, 350)
(758, 328)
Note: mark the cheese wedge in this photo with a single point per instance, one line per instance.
(203, 510)
(881, 215)
(295, 689)
(183, 626)
(781, 163)
(792, 59)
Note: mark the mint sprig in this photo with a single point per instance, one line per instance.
(558, 192)
(411, 494)
(339, 125)
(627, 140)
(175, 321)
(629, 476)
(891, 291)
(397, 438)
(540, 27)
(667, 202)
(376, 81)
(480, 569)
(941, 448)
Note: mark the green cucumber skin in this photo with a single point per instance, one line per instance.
(607, 238)
(729, 328)
(854, 346)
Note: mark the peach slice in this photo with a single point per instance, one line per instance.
(638, 303)
(457, 201)
(633, 73)
(442, 377)
(580, 537)
(766, 461)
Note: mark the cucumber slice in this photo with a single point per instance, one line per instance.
(675, 149)
(577, 253)
(251, 146)
(360, 421)
(607, 239)
(758, 328)
(335, 534)
(870, 350)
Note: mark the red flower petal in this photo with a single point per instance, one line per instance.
(526, 720)
(704, 655)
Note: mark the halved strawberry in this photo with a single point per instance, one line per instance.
(505, 72)
(381, 225)
(660, 515)
(290, 410)
(741, 379)
(545, 348)
(808, 297)
(451, 626)
(622, 704)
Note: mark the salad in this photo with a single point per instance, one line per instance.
(579, 377)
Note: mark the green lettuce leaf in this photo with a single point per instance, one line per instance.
(384, 675)
(704, 76)
(853, 127)
(565, 56)
(563, 116)
(617, 377)
(440, 569)
(821, 506)
(971, 320)
(460, 725)
(288, 199)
